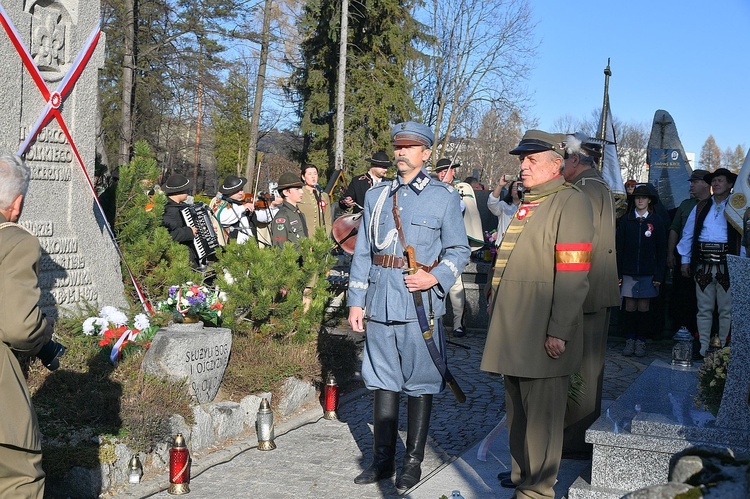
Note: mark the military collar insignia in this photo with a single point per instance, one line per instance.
(417, 184)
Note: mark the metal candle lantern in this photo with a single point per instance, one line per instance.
(330, 398)
(135, 470)
(264, 426)
(179, 467)
(682, 351)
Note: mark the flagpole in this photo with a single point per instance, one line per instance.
(605, 106)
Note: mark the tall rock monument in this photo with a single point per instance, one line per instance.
(50, 52)
(668, 167)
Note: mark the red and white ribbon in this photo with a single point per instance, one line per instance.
(52, 110)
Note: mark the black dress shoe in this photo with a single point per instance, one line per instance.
(459, 333)
(505, 481)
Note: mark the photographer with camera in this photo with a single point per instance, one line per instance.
(504, 207)
(23, 331)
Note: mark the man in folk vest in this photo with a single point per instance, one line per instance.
(706, 241)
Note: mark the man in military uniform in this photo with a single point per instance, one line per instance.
(581, 155)
(354, 197)
(538, 288)
(23, 330)
(289, 222)
(396, 358)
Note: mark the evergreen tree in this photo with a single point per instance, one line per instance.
(232, 123)
(377, 92)
(155, 259)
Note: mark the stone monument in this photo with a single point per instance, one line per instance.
(50, 53)
(734, 411)
(668, 168)
(191, 351)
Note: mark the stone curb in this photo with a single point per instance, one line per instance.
(311, 412)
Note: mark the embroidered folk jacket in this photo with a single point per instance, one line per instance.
(432, 223)
(543, 286)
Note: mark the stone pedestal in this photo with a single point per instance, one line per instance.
(636, 437)
(191, 351)
(735, 409)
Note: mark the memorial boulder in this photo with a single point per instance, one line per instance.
(192, 352)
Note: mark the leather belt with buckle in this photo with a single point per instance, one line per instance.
(396, 262)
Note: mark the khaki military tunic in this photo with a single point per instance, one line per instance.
(317, 210)
(288, 225)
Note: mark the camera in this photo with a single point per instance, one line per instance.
(508, 177)
(50, 354)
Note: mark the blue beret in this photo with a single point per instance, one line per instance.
(411, 133)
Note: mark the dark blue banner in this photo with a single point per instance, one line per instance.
(669, 174)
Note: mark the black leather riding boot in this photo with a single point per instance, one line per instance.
(385, 430)
(416, 438)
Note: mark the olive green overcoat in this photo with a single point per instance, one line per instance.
(22, 331)
(537, 297)
(604, 290)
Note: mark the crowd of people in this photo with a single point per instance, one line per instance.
(565, 259)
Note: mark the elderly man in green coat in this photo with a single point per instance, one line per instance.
(538, 287)
(23, 330)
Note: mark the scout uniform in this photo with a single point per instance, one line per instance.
(288, 225)
(289, 222)
(396, 358)
(541, 283)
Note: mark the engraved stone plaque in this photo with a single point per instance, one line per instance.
(79, 260)
(191, 351)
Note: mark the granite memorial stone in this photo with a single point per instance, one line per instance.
(734, 411)
(191, 351)
(668, 168)
(79, 260)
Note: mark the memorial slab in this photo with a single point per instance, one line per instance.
(52, 100)
(191, 351)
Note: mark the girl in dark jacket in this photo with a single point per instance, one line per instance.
(641, 264)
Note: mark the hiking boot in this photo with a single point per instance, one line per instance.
(629, 348)
(640, 348)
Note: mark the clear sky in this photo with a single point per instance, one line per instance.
(688, 57)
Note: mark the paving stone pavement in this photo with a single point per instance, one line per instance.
(318, 458)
